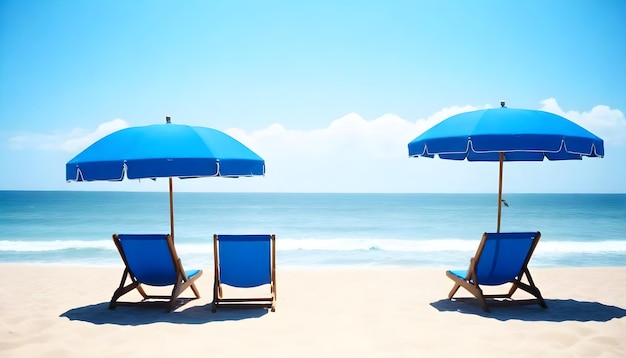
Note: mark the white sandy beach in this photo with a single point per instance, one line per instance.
(61, 311)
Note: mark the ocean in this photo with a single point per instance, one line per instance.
(313, 230)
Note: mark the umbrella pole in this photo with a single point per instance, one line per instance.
(500, 189)
(171, 211)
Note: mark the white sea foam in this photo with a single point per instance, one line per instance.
(337, 244)
(56, 245)
(582, 247)
(439, 245)
(350, 244)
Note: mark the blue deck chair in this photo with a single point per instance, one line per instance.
(152, 260)
(501, 258)
(244, 261)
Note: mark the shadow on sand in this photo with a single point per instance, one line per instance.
(142, 315)
(557, 311)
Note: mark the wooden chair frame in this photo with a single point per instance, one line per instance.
(472, 284)
(181, 283)
(243, 302)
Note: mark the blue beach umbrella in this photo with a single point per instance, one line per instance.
(164, 151)
(506, 134)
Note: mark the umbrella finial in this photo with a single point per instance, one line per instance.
(168, 119)
(502, 104)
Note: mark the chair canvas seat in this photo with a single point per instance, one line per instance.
(501, 258)
(151, 260)
(244, 261)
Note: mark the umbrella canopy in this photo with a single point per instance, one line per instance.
(164, 151)
(506, 134)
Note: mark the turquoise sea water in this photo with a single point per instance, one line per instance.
(314, 230)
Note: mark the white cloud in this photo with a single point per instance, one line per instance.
(355, 154)
(345, 139)
(72, 141)
(352, 137)
(608, 124)
(18, 142)
(79, 140)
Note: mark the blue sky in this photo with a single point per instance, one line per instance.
(329, 93)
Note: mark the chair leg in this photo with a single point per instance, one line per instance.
(512, 290)
(542, 302)
(119, 293)
(531, 288)
(273, 295)
(482, 301)
(475, 290)
(180, 287)
(141, 291)
(122, 290)
(478, 293)
(216, 296)
(456, 286)
(195, 290)
(453, 290)
(172, 303)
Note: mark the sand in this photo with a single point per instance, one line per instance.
(61, 311)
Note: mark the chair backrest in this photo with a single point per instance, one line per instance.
(245, 260)
(148, 257)
(501, 257)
